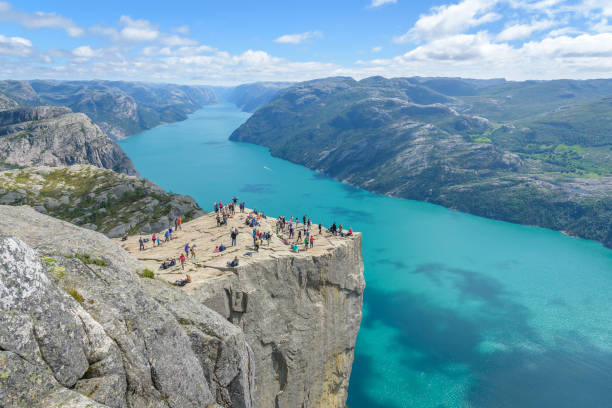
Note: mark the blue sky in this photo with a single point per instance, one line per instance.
(229, 42)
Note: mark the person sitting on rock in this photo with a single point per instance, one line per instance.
(222, 248)
(217, 248)
(233, 263)
(182, 282)
(295, 248)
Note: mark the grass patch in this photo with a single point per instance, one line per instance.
(89, 260)
(49, 261)
(147, 273)
(75, 295)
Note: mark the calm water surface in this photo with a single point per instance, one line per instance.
(459, 311)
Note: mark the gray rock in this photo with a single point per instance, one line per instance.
(118, 340)
(301, 316)
(52, 136)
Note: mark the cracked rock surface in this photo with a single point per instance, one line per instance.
(80, 328)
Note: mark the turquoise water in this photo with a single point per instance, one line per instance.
(459, 311)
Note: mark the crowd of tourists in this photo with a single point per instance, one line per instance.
(297, 235)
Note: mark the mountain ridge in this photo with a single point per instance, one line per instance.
(400, 138)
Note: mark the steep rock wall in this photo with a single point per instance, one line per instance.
(301, 316)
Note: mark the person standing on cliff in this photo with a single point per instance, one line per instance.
(182, 259)
(320, 228)
(141, 242)
(153, 238)
(187, 249)
(234, 235)
(311, 241)
(180, 223)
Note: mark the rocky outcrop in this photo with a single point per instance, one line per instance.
(98, 199)
(54, 136)
(300, 312)
(301, 317)
(80, 328)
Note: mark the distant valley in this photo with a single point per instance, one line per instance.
(122, 109)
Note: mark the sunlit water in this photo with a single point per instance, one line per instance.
(459, 311)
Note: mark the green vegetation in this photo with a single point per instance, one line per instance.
(147, 273)
(87, 195)
(89, 260)
(75, 295)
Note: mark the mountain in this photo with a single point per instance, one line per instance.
(119, 108)
(7, 103)
(51, 136)
(534, 152)
(97, 199)
(250, 97)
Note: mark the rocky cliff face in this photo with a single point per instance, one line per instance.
(301, 317)
(300, 312)
(54, 136)
(80, 328)
(98, 199)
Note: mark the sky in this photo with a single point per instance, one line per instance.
(231, 42)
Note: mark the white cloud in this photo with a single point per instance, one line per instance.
(177, 40)
(298, 38)
(137, 30)
(520, 31)
(452, 40)
(85, 52)
(602, 26)
(451, 19)
(184, 29)
(38, 20)
(585, 45)
(15, 46)
(378, 3)
(460, 47)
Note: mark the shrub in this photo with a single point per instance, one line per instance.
(76, 295)
(89, 260)
(147, 273)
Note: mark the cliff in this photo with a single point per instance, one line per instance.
(85, 324)
(299, 312)
(54, 136)
(79, 327)
(97, 199)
